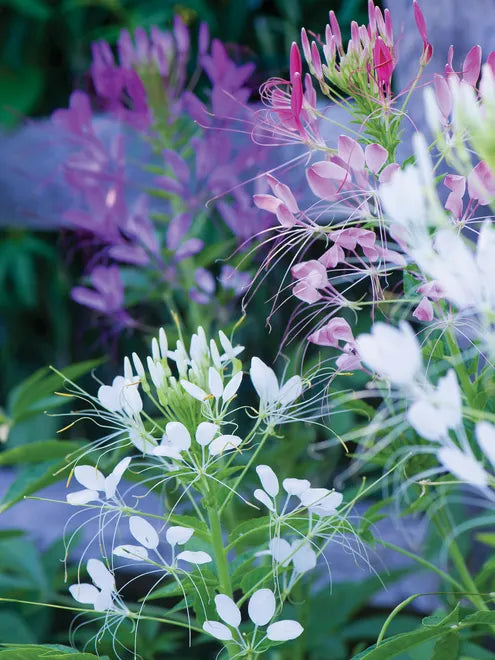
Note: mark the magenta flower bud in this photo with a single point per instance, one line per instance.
(380, 23)
(315, 55)
(336, 31)
(389, 32)
(371, 19)
(296, 98)
(305, 46)
(295, 61)
(383, 63)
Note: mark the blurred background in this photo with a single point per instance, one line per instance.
(45, 53)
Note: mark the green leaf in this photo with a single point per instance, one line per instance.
(254, 577)
(35, 394)
(13, 628)
(481, 618)
(36, 9)
(31, 479)
(249, 530)
(398, 644)
(39, 451)
(48, 652)
(19, 91)
(447, 647)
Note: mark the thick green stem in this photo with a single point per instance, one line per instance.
(224, 581)
(219, 551)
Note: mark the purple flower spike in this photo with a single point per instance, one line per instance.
(108, 296)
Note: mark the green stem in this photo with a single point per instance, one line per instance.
(458, 560)
(219, 551)
(392, 615)
(224, 581)
(460, 370)
(423, 562)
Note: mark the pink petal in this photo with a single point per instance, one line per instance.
(472, 66)
(305, 292)
(424, 311)
(375, 156)
(443, 95)
(351, 153)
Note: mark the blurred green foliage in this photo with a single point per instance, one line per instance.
(45, 44)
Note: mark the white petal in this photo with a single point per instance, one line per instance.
(224, 443)
(268, 479)
(156, 372)
(162, 338)
(205, 433)
(261, 607)
(80, 497)
(215, 355)
(463, 467)
(167, 451)
(89, 477)
(262, 497)
(304, 559)
(218, 630)
(194, 557)
(280, 549)
(109, 395)
(143, 532)
(113, 479)
(292, 389)
(132, 403)
(194, 390)
(215, 383)
(155, 350)
(225, 342)
(134, 552)
(128, 375)
(138, 365)
(321, 501)
(232, 386)
(104, 601)
(426, 421)
(394, 353)
(84, 593)
(264, 381)
(485, 434)
(228, 610)
(178, 436)
(282, 631)
(178, 534)
(100, 575)
(295, 486)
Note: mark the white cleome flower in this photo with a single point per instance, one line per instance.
(463, 466)
(436, 410)
(146, 535)
(95, 482)
(274, 398)
(99, 594)
(261, 610)
(393, 353)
